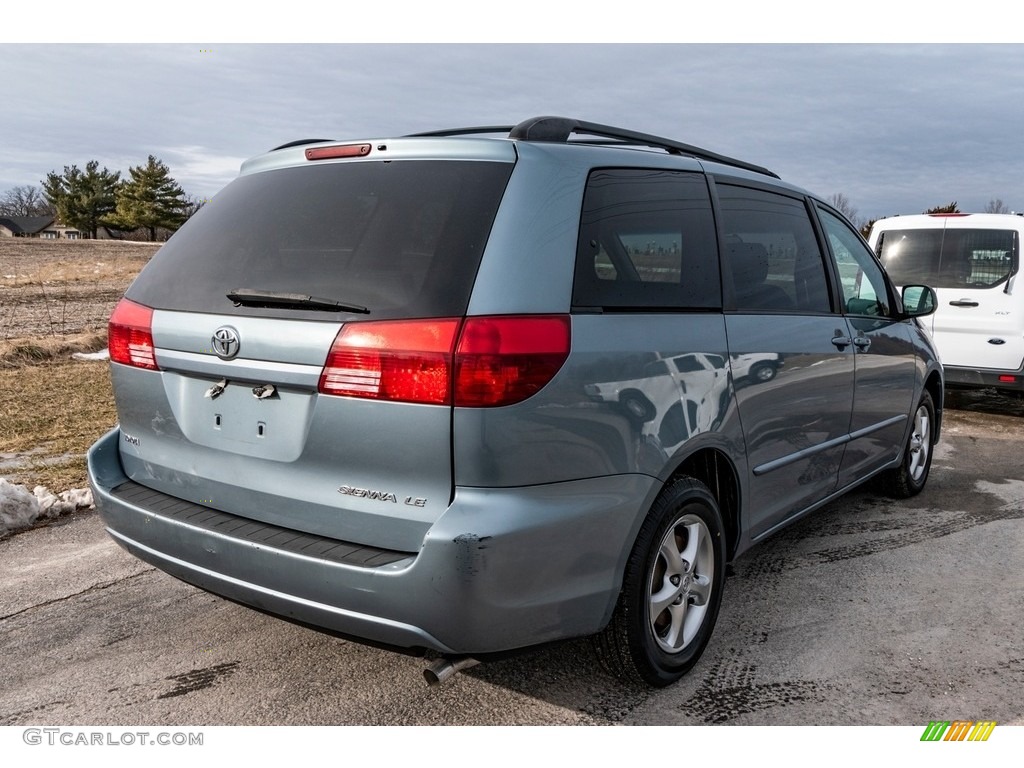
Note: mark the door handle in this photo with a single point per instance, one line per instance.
(862, 343)
(841, 341)
(963, 303)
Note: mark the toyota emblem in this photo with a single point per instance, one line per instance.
(225, 342)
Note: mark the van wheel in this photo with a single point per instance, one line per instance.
(672, 588)
(909, 478)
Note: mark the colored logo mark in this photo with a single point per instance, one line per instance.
(958, 730)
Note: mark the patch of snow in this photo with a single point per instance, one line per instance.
(103, 354)
(20, 508)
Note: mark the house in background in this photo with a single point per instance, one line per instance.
(48, 228)
(63, 231)
(45, 227)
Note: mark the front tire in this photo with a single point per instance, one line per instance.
(910, 477)
(672, 588)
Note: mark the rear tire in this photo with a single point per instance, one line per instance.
(910, 477)
(672, 588)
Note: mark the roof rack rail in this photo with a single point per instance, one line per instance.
(463, 131)
(558, 129)
(299, 143)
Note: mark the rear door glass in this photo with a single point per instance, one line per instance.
(948, 258)
(402, 238)
(772, 251)
(647, 241)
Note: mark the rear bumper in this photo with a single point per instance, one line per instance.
(501, 569)
(980, 378)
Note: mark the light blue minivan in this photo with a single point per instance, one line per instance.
(463, 393)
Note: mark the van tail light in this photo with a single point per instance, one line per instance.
(504, 360)
(130, 335)
(479, 361)
(405, 360)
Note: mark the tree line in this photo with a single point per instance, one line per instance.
(148, 199)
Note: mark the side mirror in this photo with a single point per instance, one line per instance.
(919, 300)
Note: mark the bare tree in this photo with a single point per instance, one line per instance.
(995, 205)
(193, 204)
(25, 201)
(842, 203)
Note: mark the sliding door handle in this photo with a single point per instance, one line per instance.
(841, 341)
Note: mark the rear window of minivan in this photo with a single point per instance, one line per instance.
(948, 258)
(401, 238)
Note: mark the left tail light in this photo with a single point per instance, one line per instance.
(130, 335)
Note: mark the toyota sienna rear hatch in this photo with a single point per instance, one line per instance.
(287, 356)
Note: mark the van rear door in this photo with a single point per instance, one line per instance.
(287, 354)
(980, 321)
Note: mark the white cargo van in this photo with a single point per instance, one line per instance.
(971, 260)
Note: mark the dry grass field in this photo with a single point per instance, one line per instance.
(55, 298)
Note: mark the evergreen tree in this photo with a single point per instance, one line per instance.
(150, 199)
(82, 199)
(951, 208)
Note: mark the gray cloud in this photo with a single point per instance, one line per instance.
(896, 128)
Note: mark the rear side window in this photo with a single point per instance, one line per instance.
(948, 258)
(402, 238)
(647, 241)
(773, 255)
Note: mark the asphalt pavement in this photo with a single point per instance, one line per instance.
(867, 612)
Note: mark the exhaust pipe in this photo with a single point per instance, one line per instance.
(446, 668)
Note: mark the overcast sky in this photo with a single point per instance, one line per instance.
(896, 128)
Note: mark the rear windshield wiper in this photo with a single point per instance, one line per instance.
(249, 297)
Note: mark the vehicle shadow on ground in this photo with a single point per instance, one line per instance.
(568, 675)
(989, 401)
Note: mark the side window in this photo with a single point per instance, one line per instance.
(773, 255)
(864, 287)
(647, 240)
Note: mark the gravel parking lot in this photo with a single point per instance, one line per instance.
(867, 612)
